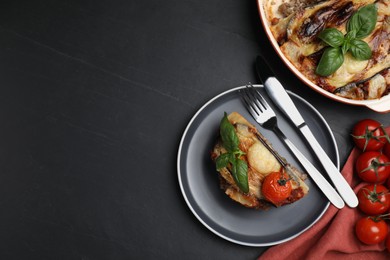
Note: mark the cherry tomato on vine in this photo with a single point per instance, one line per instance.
(373, 167)
(368, 135)
(374, 199)
(371, 230)
(276, 187)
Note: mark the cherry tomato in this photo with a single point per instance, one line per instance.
(371, 230)
(368, 135)
(276, 187)
(373, 167)
(374, 199)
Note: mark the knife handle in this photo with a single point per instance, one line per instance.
(315, 175)
(279, 96)
(337, 178)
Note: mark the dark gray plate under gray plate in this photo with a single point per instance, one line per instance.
(199, 182)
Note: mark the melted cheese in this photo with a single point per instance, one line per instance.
(262, 160)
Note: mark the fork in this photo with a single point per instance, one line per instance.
(266, 117)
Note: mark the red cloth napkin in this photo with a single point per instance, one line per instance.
(333, 236)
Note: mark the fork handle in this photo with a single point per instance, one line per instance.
(315, 175)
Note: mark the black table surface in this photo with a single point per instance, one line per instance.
(95, 96)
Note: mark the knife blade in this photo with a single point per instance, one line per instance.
(279, 96)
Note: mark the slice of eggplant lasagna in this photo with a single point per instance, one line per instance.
(261, 163)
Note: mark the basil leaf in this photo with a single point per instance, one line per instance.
(240, 174)
(330, 61)
(347, 41)
(232, 158)
(360, 49)
(332, 37)
(363, 21)
(345, 48)
(350, 35)
(229, 137)
(222, 160)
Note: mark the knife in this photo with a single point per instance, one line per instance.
(280, 97)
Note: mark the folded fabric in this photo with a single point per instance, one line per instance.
(333, 236)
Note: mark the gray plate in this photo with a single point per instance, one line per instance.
(199, 182)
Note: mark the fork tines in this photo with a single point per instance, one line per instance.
(255, 102)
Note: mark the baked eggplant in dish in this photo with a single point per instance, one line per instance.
(296, 26)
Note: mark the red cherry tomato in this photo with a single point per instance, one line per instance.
(368, 135)
(370, 230)
(374, 199)
(276, 187)
(373, 167)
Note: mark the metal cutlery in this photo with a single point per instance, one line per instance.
(279, 96)
(265, 116)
